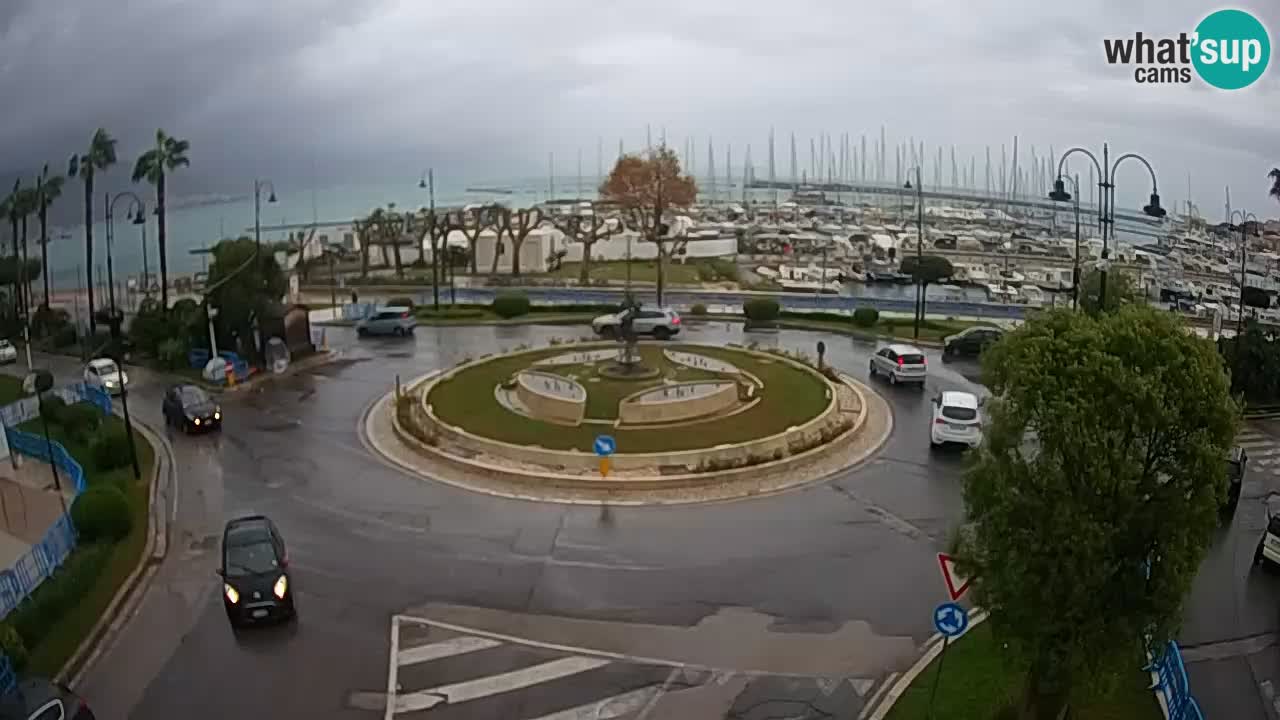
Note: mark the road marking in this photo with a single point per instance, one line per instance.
(494, 684)
(447, 648)
(1265, 447)
(392, 668)
(606, 709)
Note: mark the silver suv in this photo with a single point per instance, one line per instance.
(398, 321)
(661, 323)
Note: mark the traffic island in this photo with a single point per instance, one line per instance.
(715, 423)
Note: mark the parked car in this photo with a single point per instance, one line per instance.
(900, 364)
(104, 373)
(394, 320)
(40, 699)
(8, 353)
(970, 341)
(957, 418)
(661, 323)
(190, 408)
(256, 585)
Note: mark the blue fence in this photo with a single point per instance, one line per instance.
(37, 447)
(18, 412)
(1171, 683)
(19, 581)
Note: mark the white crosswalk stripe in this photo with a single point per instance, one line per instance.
(494, 684)
(435, 651)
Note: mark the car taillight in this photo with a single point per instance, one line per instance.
(939, 421)
(675, 319)
(899, 362)
(404, 314)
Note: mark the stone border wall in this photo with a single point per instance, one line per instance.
(632, 411)
(586, 463)
(548, 406)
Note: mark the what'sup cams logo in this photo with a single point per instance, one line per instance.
(1228, 50)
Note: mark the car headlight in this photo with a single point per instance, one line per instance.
(282, 586)
(217, 414)
(196, 421)
(109, 383)
(233, 595)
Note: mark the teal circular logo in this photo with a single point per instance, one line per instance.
(1231, 49)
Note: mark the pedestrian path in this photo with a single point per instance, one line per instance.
(442, 672)
(1263, 450)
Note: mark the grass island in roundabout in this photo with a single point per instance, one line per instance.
(683, 416)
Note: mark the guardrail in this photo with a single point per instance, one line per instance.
(1170, 684)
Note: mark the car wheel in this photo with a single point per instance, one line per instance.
(1257, 555)
(948, 351)
(661, 333)
(361, 332)
(398, 332)
(871, 369)
(893, 378)
(609, 331)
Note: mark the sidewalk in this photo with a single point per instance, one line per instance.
(28, 507)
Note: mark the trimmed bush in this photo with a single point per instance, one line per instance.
(12, 646)
(81, 420)
(55, 408)
(41, 612)
(866, 317)
(761, 310)
(111, 449)
(101, 513)
(698, 309)
(510, 305)
(400, 301)
(172, 354)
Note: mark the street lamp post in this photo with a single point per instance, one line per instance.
(258, 186)
(428, 183)
(1106, 211)
(137, 212)
(1075, 263)
(919, 314)
(1245, 218)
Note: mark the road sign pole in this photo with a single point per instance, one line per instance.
(946, 643)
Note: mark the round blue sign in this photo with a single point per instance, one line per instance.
(604, 445)
(950, 619)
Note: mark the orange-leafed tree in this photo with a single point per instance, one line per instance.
(647, 189)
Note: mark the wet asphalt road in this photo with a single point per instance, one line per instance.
(366, 542)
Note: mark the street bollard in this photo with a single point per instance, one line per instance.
(397, 386)
(231, 374)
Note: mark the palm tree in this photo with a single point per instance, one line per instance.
(47, 190)
(100, 156)
(24, 205)
(9, 208)
(1275, 183)
(168, 155)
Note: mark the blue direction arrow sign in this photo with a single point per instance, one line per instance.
(950, 619)
(604, 445)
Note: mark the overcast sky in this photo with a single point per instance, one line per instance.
(325, 91)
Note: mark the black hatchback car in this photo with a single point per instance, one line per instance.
(970, 341)
(256, 585)
(191, 409)
(40, 699)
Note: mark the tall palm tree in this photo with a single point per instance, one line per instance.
(25, 205)
(1275, 183)
(100, 156)
(168, 155)
(9, 208)
(48, 188)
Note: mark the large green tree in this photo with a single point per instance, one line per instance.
(1274, 176)
(1096, 491)
(926, 270)
(1120, 290)
(154, 166)
(243, 283)
(26, 203)
(48, 189)
(10, 206)
(100, 155)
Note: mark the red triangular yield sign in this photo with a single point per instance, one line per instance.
(956, 585)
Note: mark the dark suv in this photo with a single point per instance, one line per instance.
(256, 585)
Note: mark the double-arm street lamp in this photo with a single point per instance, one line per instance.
(1106, 213)
(915, 331)
(137, 214)
(1075, 263)
(258, 187)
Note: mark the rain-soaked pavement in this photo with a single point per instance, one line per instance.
(378, 557)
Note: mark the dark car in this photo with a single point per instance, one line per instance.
(191, 409)
(970, 341)
(256, 585)
(39, 699)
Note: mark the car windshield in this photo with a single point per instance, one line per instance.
(5, 344)
(952, 412)
(106, 368)
(255, 558)
(192, 396)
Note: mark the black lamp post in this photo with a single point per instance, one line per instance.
(428, 183)
(1075, 263)
(915, 330)
(1245, 218)
(1106, 213)
(39, 382)
(258, 186)
(137, 213)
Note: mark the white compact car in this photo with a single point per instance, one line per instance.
(900, 364)
(8, 353)
(105, 374)
(957, 418)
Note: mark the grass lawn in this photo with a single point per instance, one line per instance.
(790, 397)
(84, 586)
(641, 271)
(976, 684)
(10, 389)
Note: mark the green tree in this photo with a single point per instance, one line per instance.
(10, 208)
(100, 156)
(1274, 176)
(154, 166)
(1120, 290)
(48, 189)
(926, 269)
(26, 203)
(1096, 491)
(242, 285)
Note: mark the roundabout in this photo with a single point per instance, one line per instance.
(691, 422)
